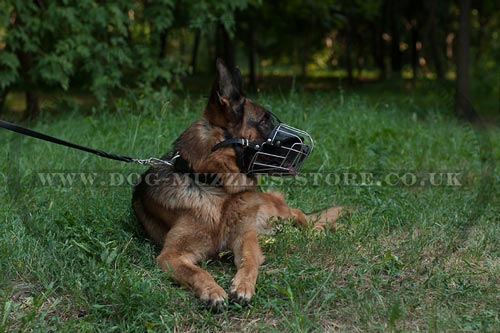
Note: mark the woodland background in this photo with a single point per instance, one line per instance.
(93, 51)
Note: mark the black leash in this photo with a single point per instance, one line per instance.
(41, 136)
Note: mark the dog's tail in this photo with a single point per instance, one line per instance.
(326, 219)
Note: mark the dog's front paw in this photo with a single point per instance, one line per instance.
(242, 292)
(214, 297)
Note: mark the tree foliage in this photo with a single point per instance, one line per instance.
(108, 47)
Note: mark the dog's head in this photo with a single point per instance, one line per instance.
(263, 144)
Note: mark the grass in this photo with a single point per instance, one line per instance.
(72, 258)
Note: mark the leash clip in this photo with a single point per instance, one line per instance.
(156, 161)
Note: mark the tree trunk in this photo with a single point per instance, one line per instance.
(463, 108)
(252, 83)
(163, 43)
(498, 96)
(3, 98)
(194, 53)
(348, 51)
(377, 46)
(414, 51)
(32, 100)
(303, 54)
(435, 54)
(432, 39)
(396, 56)
(32, 105)
(360, 54)
(303, 62)
(219, 53)
(230, 51)
(224, 47)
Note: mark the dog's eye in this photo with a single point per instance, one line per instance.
(264, 119)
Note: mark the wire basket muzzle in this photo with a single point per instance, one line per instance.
(283, 154)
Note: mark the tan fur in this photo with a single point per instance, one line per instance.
(192, 221)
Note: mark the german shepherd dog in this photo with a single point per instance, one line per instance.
(191, 219)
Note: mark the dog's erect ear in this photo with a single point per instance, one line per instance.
(224, 104)
(228, 84)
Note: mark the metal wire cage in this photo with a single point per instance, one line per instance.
(284, 153)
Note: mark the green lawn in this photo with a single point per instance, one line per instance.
(72, 258)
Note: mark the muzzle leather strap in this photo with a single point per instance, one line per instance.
(238, 145)
(236, 142)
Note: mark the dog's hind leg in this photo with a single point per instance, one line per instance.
(247, 258)
(179, 255)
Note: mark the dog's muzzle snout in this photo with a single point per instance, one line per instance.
(284, 152)
(281, 154)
